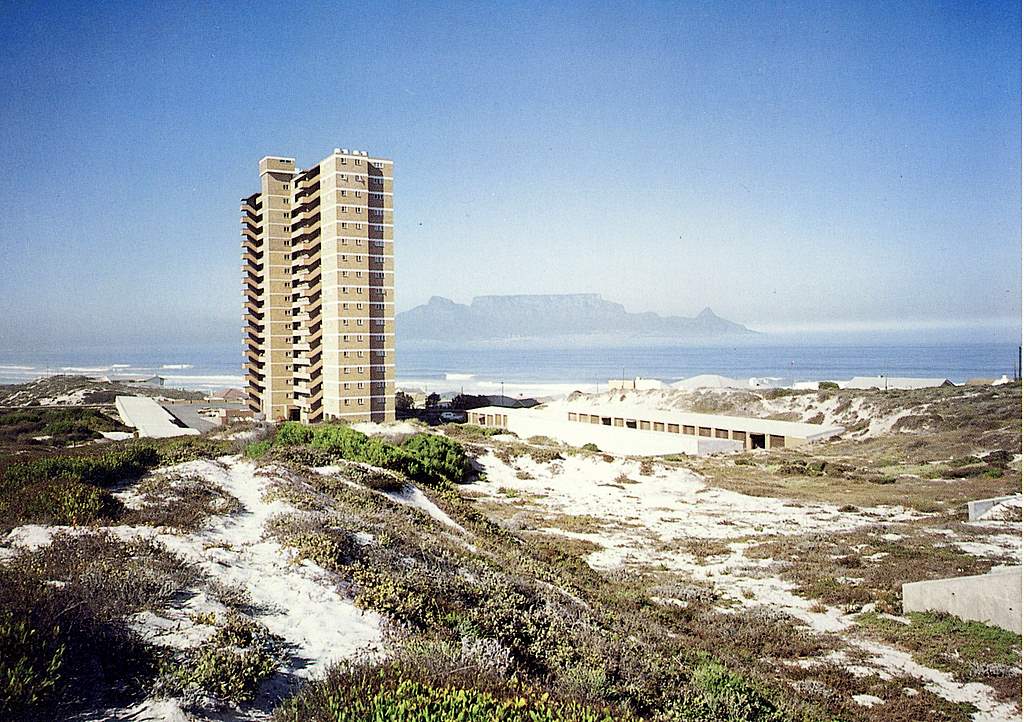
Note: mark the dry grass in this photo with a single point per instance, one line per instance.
(973, 651)
(854, 568)
(179, 502)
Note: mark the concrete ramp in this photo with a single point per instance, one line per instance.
(977, 509)
(993, 598)
(150, 418)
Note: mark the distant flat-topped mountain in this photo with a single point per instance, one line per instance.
(495, 318)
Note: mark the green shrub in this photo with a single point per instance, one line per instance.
(472, 431)
(76, 503)
(30, 664)
(590, 447)
(715, 693)
(231, 665)
(102, 469)
(292, 433)
(387, 456)
(429, 458)
(339, 439)
(358, 693)
(257, 449)
(192, 448)
(58, 501)
(436, 459)
(825, 385)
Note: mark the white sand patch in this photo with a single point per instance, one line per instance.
(34, 536)
(72, 398)
(393, 428)
(995, 546)
(868, 700)
(117, 435)
(299, 601)
(643, 519)
(152, 710)
(941, 683)
(670, 504)
(412, 496)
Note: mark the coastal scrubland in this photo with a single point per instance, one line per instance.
(403, 573)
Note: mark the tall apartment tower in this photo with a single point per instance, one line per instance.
(319, 282)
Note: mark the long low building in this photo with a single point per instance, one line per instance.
(637, 430)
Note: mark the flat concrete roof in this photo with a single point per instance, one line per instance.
(150, 418)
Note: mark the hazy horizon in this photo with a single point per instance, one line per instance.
(800, 169)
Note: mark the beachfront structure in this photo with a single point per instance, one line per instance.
(318, 277)
(150, 419)
(639, 430)
(889, 383)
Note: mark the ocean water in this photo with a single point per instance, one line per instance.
(216, 366)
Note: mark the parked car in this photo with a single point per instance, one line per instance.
(452, 416)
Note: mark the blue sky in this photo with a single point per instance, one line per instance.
(795, 166)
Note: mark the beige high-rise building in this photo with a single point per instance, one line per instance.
(319, 277)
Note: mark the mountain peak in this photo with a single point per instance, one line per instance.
(501, 317)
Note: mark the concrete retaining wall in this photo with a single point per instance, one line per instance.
(976, 508)
(994, 598)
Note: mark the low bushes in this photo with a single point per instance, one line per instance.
(411, 690)
(59, 502)
(715, 693)
(231, 665)
(471, 432)
(30, 663)
(98, 469)
(65, 641)
(68, 489)
(428, 458)
(63, 426)
(178, 501)
(192, 448)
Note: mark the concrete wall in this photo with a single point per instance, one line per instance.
(975, 509)
(994, 598)
(614, 440)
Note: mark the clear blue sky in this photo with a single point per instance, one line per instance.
(799, 165)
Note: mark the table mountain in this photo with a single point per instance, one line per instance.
(543, 316)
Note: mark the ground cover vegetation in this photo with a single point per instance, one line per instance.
(484, 620)
(583, 644)
(65, 641)
(54, 426)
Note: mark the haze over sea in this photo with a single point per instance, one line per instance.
(534, 369)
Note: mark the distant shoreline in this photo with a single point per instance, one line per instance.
(551, 370)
